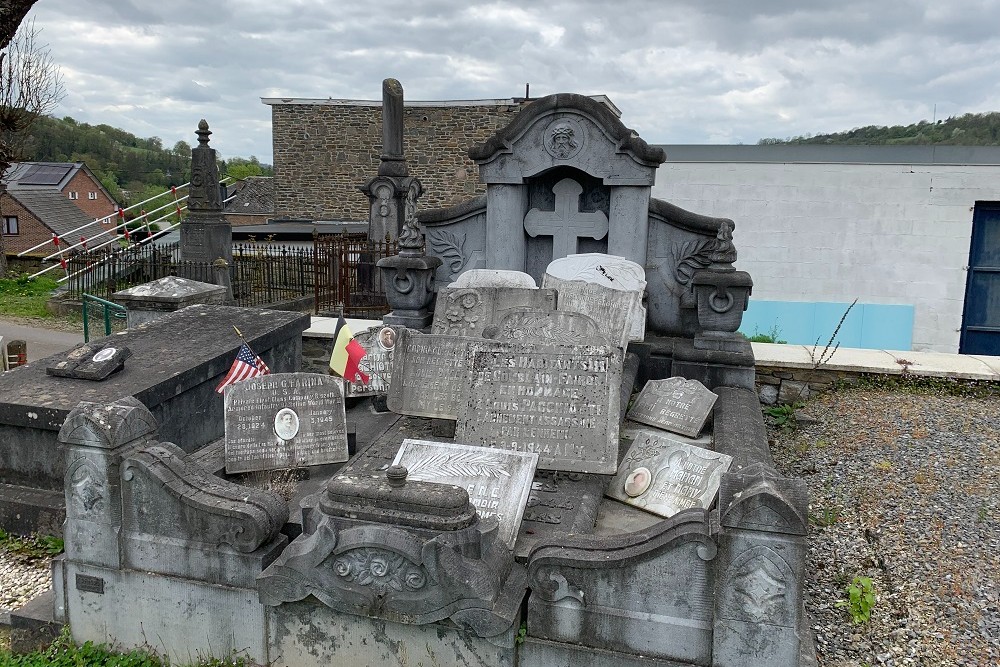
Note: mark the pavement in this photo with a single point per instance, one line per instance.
(41, 342)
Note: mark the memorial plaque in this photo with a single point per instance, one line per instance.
(379, 343)
(665, 476)
(91, 361)
(561, 402)
(285, 420)
(555, 327)
(494, 278)
(674, 404)
(610, 271)
(428, 371)
(615, 311)
(498, 481)
(468, 311)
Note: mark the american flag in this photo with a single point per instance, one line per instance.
(247, 365)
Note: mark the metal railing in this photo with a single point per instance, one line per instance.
(112, 312)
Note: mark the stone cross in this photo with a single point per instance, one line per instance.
(567, 222)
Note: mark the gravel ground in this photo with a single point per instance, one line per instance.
(904, 489)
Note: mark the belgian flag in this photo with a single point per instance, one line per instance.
(347, 354)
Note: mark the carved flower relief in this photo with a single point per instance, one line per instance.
(460, 305)
(381, 569)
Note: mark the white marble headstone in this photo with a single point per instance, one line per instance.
(494, 278)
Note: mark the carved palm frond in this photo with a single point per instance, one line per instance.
(450, 248)
(455, 464)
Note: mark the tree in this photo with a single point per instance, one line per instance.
(30, 86)
(12, 12)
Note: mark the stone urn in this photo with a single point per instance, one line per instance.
(721, 297)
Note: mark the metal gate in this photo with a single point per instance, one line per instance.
(981, 319)
(347, 279)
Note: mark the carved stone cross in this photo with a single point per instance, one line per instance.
(567, 222)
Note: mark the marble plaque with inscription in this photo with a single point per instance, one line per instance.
(666, 476)
(561, 402)
(428, 371)
(285, 420)
(498, 482)
(615, 311)
(468, 311)
(675, 404)
(554, 327)
(379, 343)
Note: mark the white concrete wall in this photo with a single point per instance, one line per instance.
(815, 232)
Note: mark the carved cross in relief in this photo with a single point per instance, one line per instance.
(567, 222)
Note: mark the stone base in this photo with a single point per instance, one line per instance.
(542, 653)
(713, 368)
(411, 319)
(722, 341)
(33, 626)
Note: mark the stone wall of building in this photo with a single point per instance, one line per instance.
(324, 151)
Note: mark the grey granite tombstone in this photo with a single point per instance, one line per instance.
(206, 234)
(428, 371)
(152, 300)
(467, 311)
(498, 482)
(611, 271)
(555, 327)
(561, 402)
(285, 420)
(614, 311)
(494, 278)
(674, 404)
(665, 476)
(378, 343)
(90, 361)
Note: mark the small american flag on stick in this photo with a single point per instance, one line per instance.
(247, 365)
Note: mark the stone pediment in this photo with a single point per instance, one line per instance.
(567, 130)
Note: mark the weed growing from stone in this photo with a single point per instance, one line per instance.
(30, 548)
(860, 599)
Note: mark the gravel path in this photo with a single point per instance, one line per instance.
(904, 489)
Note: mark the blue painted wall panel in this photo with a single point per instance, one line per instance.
(868, 325)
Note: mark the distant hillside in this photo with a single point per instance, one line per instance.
(972, 129)
(123, 161)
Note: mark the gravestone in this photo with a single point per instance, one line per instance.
(467, 311)
(614, 272)
(285, 420)
(428, 371)
(153, 300)
(674, 404)
(567, 222)
(498, 482)
(665, 476)
(378, 343)
(90, 361)
(561, 402)
(614, 311)
(494, 278)
(554, 327)
(206, 234)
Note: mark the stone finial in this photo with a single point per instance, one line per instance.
(393, 163)
(396, 475)
(203, 132)
(411, 238)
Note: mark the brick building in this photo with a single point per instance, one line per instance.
(325, 149)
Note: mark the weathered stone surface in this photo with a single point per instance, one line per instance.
(611, 271)
(151, 300)
(558, 327)
(494, 278)
(469, 311)
(666, 476)
(285, 420)
(616, 312)
(90, 361)
(428, 372)
(674, 404)
(561, 402)
(792, 392)
(498, 482)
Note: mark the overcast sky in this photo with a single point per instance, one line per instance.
(681, 71)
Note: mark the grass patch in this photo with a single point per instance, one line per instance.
(925, 385)
(30, 548)
(24, 297)
(64, 653)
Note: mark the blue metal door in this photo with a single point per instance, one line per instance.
(981, 319)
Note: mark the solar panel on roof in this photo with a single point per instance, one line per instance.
(43, 175)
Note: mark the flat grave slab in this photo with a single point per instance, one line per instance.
(665, 476)
(616, 312)
(498, 481)
(285, 420)
(554, 327)
(562, 402)
(674, 404)
(467, 311)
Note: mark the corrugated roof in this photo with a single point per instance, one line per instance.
(55, 211)
(255, 197)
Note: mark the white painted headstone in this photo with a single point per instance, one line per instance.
(494, 278)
